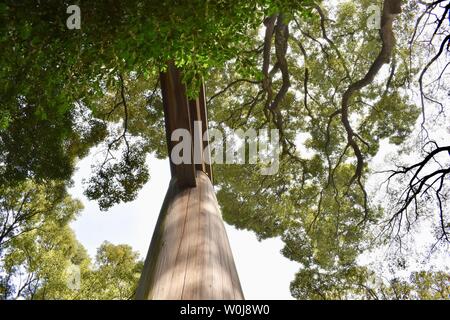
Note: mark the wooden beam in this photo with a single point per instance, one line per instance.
(189, 256)
(179, 112)
(204, 119)
(177, 116)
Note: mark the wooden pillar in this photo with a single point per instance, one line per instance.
(189, 256)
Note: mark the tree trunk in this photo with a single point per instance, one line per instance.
(189, 256)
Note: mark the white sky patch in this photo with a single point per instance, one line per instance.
(300, 140)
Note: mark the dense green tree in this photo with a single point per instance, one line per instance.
(28, 206)
(361, 283)
(44, 147)
(318, 203)
(313, 71)
(38, 248)
(36, 242)
(114, 275)
(48, 70)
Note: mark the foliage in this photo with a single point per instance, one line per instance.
(37, 248)
(65, 91)
(311, 203)
(47, 71)
(361, 283)
(28, 206)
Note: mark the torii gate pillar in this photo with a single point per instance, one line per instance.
(189, 256)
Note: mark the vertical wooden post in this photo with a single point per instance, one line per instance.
(189, 256)
(177, 115)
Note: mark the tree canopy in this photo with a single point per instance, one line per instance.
(337, 90)
(38, 248)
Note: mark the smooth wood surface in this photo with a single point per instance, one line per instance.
(189, 256)
(204, 118)
(177, 116)
(181, 113)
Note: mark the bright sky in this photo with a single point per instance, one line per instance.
(263, 271)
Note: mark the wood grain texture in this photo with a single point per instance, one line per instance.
(177, 115)
(189, 256)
